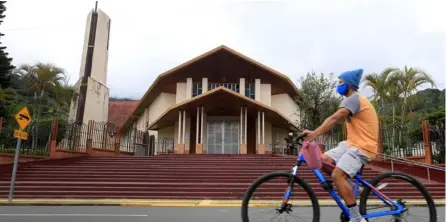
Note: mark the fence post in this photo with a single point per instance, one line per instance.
(1, 124)
(147, 143)
(380, 139)
(427, 142)
(118, 140)
(90, 138)
(53, 141)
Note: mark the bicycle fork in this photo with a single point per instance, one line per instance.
(289, 189)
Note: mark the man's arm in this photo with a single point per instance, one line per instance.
(329, 123)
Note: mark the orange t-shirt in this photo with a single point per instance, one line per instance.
(362, 124)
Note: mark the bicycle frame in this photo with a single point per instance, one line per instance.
(326, 184)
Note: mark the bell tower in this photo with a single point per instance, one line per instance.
(91, 88)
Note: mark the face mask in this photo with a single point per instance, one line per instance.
(342, 89)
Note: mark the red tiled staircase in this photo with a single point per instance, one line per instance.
(166, 177)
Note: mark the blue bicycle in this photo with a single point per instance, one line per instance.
(397, 208)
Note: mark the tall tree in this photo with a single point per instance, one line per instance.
(318, 99)
(409, 80)
(42, 77)
(5, 61)
(385, 89)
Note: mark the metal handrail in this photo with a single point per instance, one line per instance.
(428, 167)
(412, 162)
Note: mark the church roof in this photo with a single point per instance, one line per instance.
(119, 111)
(175, 73)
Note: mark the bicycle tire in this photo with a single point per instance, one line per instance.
(375, 181)
(269, 176)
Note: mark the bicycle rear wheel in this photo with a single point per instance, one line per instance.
(404, 189)
(271, 197)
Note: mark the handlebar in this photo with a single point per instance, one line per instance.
(299, 139)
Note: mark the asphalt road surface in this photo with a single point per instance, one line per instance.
(147, 214)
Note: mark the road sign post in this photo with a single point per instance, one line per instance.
(14, 170)
(23, 119)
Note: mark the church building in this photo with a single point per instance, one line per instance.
(221, 102)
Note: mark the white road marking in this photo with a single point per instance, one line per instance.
(72, 215)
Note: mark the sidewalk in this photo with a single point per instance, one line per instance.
(186, 203)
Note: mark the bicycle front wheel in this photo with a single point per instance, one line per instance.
(265, 196)
(404, 189)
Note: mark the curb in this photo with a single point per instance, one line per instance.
(184, 203)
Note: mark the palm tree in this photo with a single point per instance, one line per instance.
(40, 78)
(409, 80)
(385, 88)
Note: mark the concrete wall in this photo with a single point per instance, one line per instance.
(278, 135)
(286, 106)
(181, 92)
(100, 54)
(265, 94)
(169, 134)
(85, 46)
(188, 88)
(268, 135)
(258, 88)
(162, 103)
(96, 103)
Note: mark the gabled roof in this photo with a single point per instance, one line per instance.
(155, 88)
(223, 96)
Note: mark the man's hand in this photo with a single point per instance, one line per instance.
(309, 135)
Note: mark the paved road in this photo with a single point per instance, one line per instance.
(139, 214)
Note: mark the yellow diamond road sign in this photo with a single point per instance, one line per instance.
(23, 118)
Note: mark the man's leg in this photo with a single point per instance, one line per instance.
(349, 164)
(326, 169)
(334, 155)
(340, 178)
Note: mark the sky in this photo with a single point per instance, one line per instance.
(291, 36)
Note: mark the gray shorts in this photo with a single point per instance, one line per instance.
(349, 159)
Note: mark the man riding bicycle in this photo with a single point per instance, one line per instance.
(362, 138)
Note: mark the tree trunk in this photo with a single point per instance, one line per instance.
(393, 126)
(36, 127)
(403, 111)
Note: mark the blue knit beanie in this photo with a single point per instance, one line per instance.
(352, 78)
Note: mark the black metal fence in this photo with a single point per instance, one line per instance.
(37, 143)
(73, 136)
(402, 140)
(105, 135)
(437, 139)
(132, 139)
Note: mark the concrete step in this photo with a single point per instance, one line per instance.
(161, 174)
(179, 192)
(170, 197)
(178, 184)
(390, 191)
(189, 177)
(165, 168)
(174, 177)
